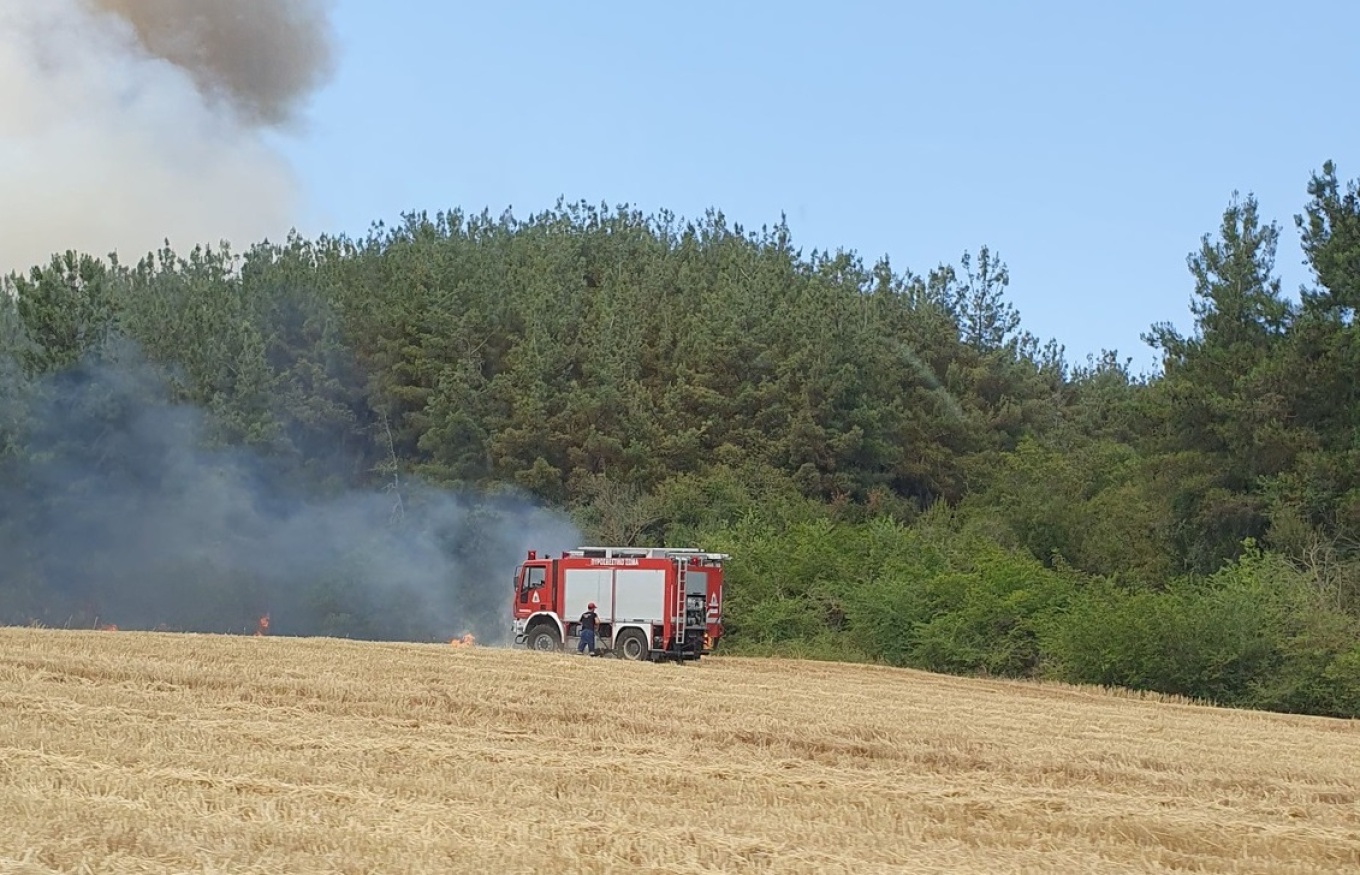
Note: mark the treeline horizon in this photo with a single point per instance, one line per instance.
(901, 472)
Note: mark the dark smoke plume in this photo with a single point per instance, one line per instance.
(117, 514)
(124, 123)
(263, 56)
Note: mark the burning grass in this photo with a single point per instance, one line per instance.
(149, 752)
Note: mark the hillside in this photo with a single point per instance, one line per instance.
(361, 436)
(142, 752)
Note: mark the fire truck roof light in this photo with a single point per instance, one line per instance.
(533, 554)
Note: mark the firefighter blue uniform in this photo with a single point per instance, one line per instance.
(589, 621)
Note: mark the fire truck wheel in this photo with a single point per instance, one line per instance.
(631, 644)
(543, 638)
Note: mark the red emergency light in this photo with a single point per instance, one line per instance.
(533, 554)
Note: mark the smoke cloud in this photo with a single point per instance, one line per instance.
(118, 514)
(127, 122)
(262, 56)
(124, 123)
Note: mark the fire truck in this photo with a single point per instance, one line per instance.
(653, 602)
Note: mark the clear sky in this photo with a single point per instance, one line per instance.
(1089, 144)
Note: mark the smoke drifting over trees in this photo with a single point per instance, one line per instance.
(131, 121)
(129, 516)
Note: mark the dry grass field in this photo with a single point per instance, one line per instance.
(127, 752)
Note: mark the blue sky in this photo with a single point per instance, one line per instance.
(1090, 145)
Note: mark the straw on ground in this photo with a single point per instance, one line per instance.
(131, 752)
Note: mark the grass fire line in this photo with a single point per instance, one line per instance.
(262, 629)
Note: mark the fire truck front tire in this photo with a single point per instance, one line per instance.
(543, 637)
(631, 644)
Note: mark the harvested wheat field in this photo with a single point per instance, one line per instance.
(129, 752)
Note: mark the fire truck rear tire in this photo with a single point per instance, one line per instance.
(543, 637)
(631, 644)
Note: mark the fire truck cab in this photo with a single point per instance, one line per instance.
(653, 602)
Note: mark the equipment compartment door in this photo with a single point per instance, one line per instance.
(640, 595)
(586, 585)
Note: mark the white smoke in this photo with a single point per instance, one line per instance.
(124, 123)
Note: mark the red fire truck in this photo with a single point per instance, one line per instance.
(653, 602)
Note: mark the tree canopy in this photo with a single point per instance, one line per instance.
(901, 472)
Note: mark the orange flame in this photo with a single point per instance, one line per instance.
(107, 627)
(262, 627)
(467, 640)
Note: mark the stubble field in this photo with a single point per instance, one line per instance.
(129, 752)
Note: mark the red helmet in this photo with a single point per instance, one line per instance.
(590, 607)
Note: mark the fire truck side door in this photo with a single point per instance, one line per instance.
(530, 588)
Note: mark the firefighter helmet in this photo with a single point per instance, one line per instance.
(590, 607)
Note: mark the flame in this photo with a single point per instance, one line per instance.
(262, 626)
(467, 640)
(107, 627)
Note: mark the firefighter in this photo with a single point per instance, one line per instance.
(589, 620)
